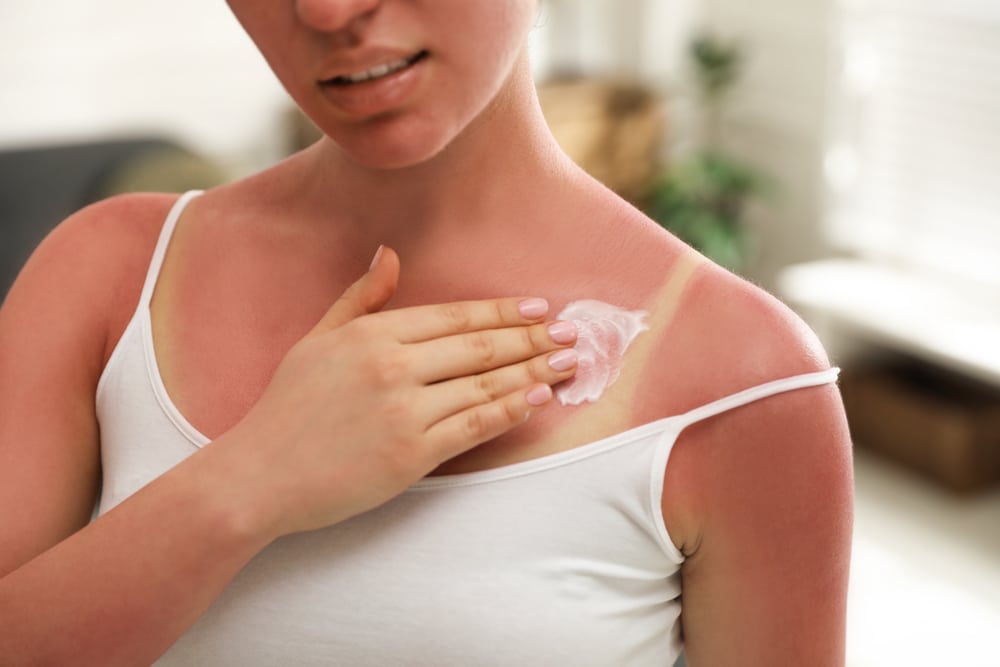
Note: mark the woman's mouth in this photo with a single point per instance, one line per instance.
(378, 72)
(380, 88)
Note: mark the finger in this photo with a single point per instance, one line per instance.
(463, 431)
(422, 323)
(441, 400)
(479, 351)
(368, 294)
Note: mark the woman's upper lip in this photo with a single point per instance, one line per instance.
(357, 62)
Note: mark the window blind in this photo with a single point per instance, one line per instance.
(914, 160)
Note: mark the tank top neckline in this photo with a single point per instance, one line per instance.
(670, 426)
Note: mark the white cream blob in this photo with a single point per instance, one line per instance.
(605, 332)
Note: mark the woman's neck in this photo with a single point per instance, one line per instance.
(495, 167)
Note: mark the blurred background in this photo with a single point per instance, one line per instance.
(844, 154)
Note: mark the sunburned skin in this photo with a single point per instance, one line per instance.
(604, 334)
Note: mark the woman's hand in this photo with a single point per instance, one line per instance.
(369, 402)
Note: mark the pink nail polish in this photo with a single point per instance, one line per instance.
(539, 395)
(563, 360)
(563, 332)
(532, 309)
(378, 254)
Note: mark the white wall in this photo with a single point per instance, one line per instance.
(184, 68)
(633, 38)
(779, 117)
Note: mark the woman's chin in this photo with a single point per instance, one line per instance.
(385, 160)
(390, 148)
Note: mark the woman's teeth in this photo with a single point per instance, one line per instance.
(377, 72)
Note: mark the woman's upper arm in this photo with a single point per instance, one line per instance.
(766, 581)
(760, 497)
(54, 329)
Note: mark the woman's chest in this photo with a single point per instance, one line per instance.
(215, 361)
(227, 310)
(223, 321)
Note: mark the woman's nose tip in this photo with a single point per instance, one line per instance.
(331, 15)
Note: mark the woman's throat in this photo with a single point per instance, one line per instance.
(605, 333)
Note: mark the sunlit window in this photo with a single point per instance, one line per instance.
(914, 161)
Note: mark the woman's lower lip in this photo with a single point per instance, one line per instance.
(370, 98)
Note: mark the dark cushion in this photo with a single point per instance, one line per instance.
(42, 185)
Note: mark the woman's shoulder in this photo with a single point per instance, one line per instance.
(732, 335)
(743, 334)
(93, 263)
(725, 333)
(104, 234)
(712, 332)
(758, 497)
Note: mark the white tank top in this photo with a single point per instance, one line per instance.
(561, 560)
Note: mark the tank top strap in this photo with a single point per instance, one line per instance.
(756, 393)
(167, 231)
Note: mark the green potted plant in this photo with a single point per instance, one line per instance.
(702, 198)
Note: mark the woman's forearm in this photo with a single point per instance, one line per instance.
(357, 411)
(125, 588)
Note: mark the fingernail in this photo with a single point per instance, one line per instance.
(532, 309)
(378, 253)
(539, 395)
(563, 360)
(563, 332)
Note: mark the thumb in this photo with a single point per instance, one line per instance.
(368, 294)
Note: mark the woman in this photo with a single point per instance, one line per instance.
(370, 494)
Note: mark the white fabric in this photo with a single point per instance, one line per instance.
(562, 560)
